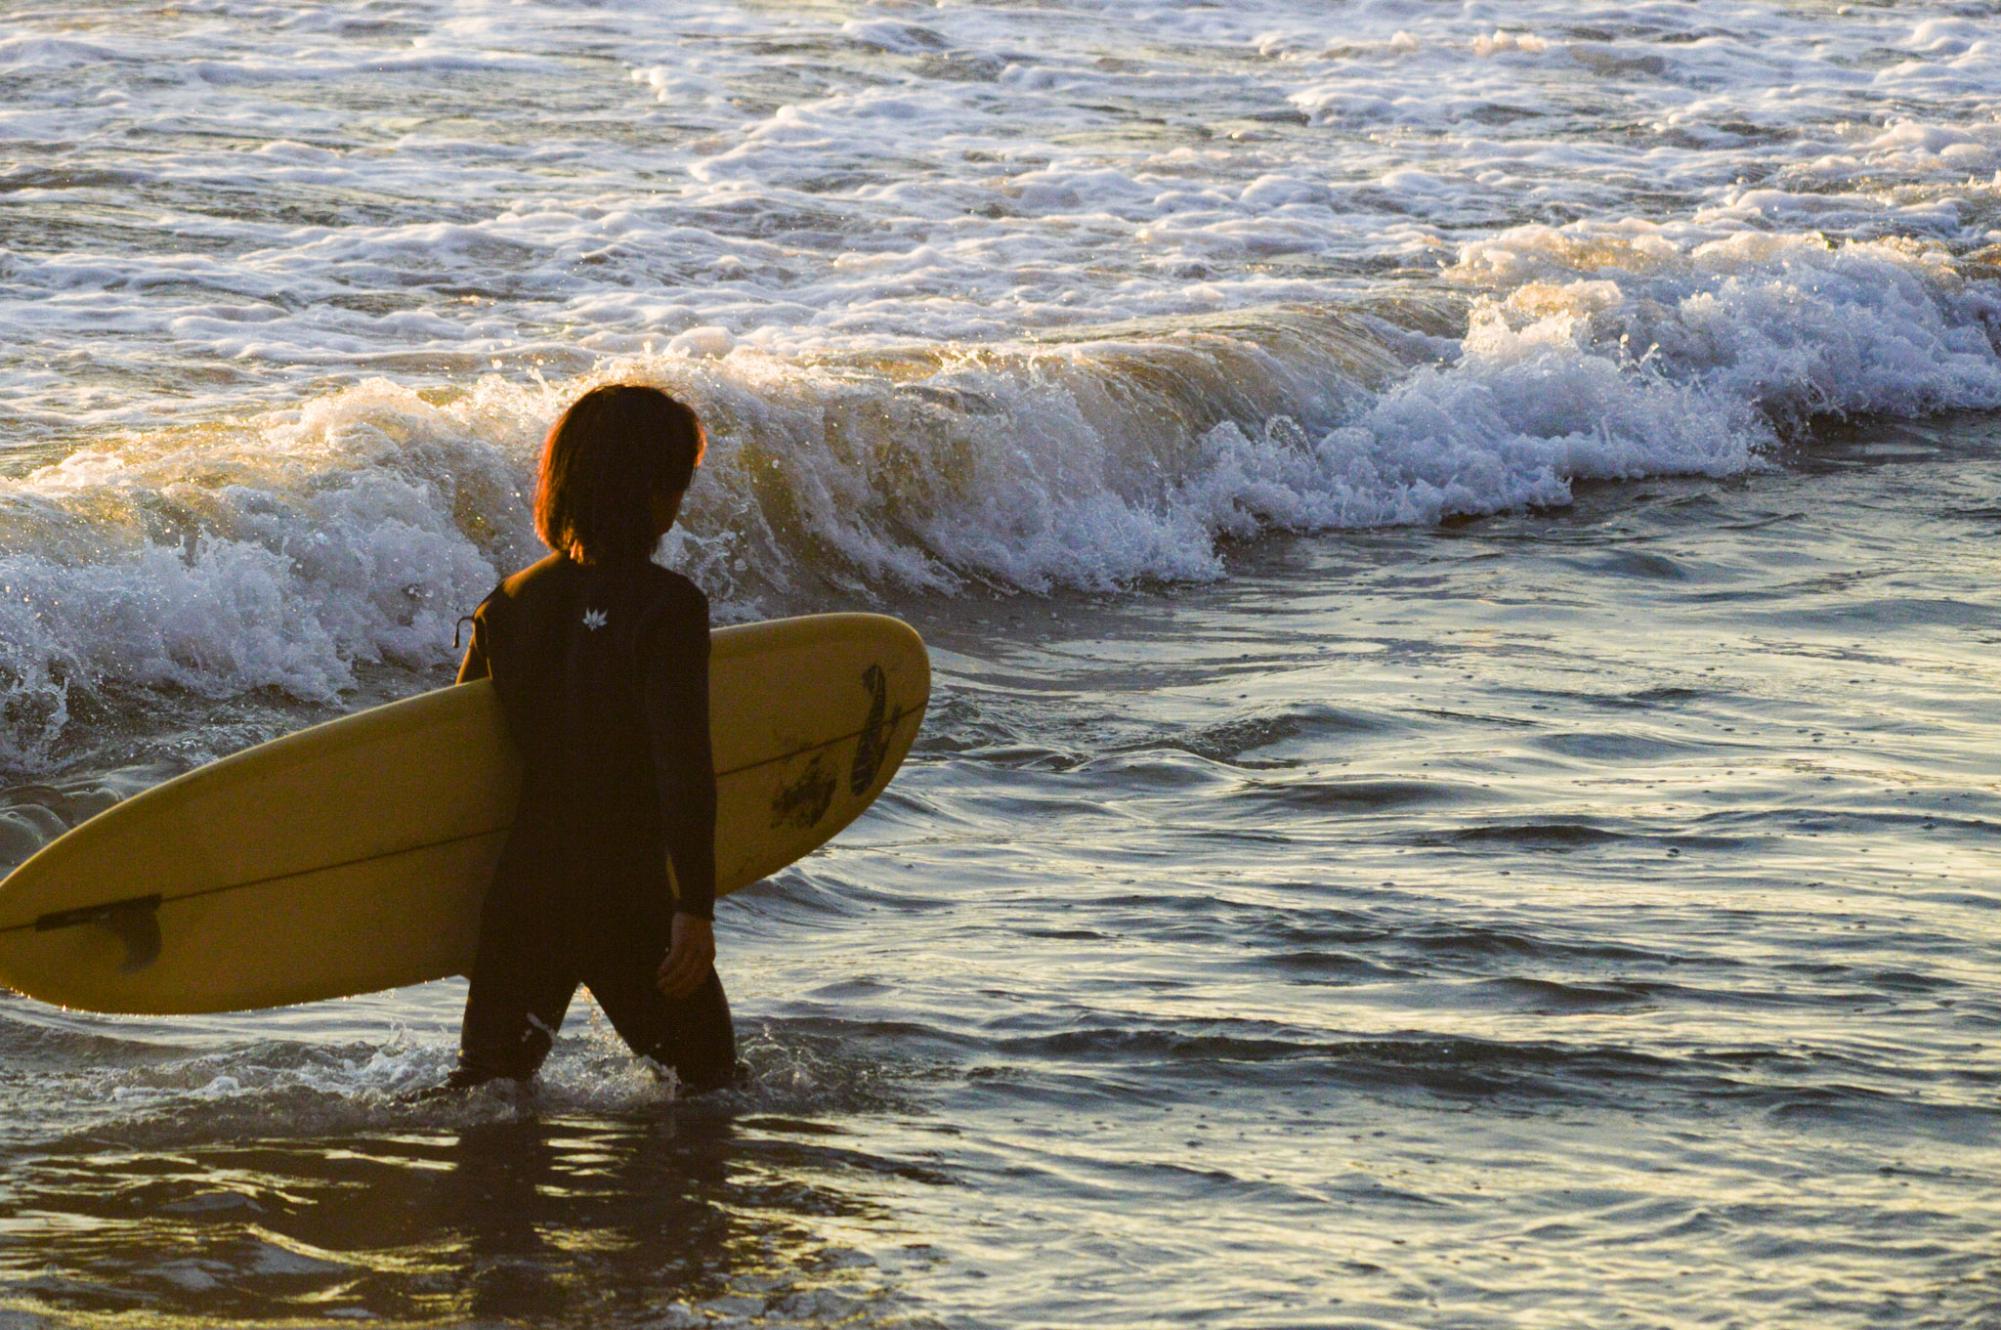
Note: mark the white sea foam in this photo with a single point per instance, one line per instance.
(284, 550)
(235, 1080)
(816, 181)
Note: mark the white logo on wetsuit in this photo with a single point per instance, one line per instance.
(594, 619)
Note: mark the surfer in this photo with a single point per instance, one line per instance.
(601, 660)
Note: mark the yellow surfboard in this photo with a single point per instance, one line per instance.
(353, 856)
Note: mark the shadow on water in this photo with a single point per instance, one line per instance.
(548, 1221)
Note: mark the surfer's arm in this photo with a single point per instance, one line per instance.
(474, 665)
(675, 688)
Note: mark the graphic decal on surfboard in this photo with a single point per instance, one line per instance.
(134, 922)
(806, 800)
(873, 745)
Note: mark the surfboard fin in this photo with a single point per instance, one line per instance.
(135, 922)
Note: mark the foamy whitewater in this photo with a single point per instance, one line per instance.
(1155, 360)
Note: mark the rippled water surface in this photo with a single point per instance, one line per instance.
(1568, 918)
(1459, 548)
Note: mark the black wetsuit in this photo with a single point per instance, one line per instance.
(603, 675)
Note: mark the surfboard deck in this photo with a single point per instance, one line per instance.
(353, 856)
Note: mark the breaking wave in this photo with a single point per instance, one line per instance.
(287, 550)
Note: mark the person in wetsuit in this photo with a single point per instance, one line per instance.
(601, 660)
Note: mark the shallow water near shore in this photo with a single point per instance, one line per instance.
(1581, 917)
(1459, 547)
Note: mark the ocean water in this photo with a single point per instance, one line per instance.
(1459, 543)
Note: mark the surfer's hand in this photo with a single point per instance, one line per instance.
(689, 955)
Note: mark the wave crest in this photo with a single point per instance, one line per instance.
(286, 550)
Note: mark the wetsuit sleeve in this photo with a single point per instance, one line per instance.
(475, 666)
(674, 687)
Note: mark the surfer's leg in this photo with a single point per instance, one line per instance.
(507, 1036)
(522, 982)
(692, 1035)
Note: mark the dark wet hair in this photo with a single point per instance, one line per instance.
(605, 460)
